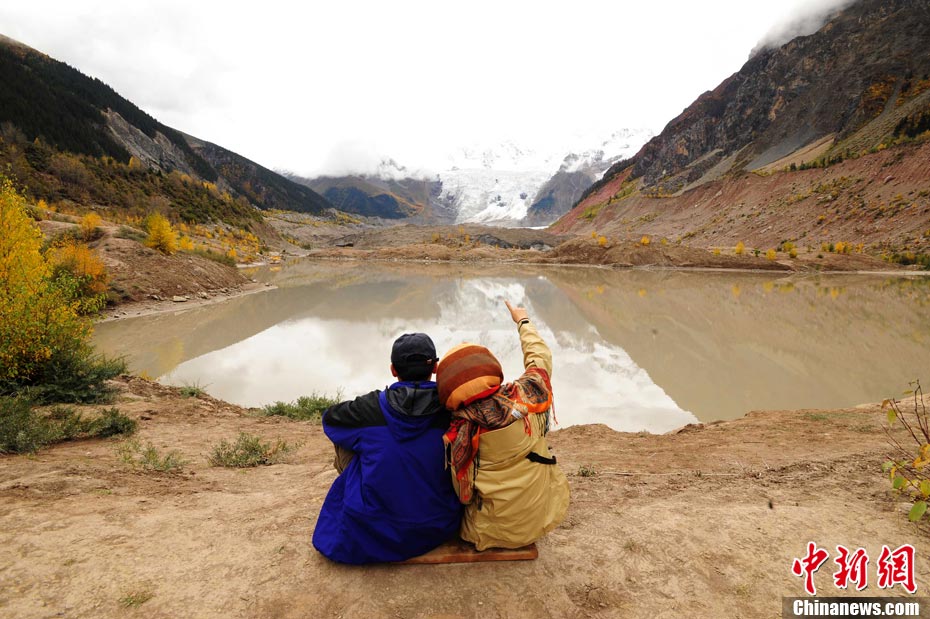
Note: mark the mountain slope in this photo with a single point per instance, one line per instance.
(855, 87)
(372, 196)
(68, 136)
(830, 83)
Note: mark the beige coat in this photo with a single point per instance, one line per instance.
(516, 500)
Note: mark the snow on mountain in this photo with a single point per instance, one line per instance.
(493, 184)
(497, 185)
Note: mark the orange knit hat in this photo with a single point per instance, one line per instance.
(466, 372)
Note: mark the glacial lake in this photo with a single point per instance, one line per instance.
(633, 349)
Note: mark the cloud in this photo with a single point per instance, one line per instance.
(806, 19)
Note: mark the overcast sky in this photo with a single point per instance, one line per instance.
(327, 86)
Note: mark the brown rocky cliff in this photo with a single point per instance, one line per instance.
(831, 82)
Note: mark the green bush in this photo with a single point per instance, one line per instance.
(147, 458)
(306, 408)
(249, 450)
(25, 430)
(192, 390)
(73, 376)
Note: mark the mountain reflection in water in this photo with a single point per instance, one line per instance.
(636, 350)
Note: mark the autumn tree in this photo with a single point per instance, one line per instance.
(39, 321)
(78, 262)
(162, 236)
(89, 224)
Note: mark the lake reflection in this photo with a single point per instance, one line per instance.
(636, 350)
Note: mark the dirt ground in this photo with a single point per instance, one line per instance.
(704, 522)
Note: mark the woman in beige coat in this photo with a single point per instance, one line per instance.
(502, 468)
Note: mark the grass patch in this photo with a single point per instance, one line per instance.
(147, 457)
(136, 598)
(133, 234)
(249, 450)
(23, 429)
(587, 471)
(192, 390)
(814, 417)
(213, 255)
(305, 408)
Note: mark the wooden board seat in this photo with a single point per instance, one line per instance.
(458, 551)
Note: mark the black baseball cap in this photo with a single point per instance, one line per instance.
(413, 349)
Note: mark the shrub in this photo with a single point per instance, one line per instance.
(740, 248)
(907, 469)
(793, 252)
(21, 430)
(185, 243)
(24, 430)
(148, 459)
(602, 241)
(587, 471)
(89, 226)
(716, 251)
(770, 254)
(645, 240)
(162, 236)
(194, 390)
(909, 257)
(249, 450)
(306, 408)
(81, 264)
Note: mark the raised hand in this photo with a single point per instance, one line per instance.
(517, 313)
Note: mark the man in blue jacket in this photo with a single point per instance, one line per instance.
(393, 499)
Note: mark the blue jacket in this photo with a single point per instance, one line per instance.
(395, 499)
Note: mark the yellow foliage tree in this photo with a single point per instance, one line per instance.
(89, 223)
(602, 241)
(186, 244)
(38, 316)
(162, 236)
(770, 254)
(82, 264)
(740, 248)
(645, 240)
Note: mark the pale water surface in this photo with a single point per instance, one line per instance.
(636, 350)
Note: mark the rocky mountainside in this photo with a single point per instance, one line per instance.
(857, 86)
(413, 199)
(66, 136)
